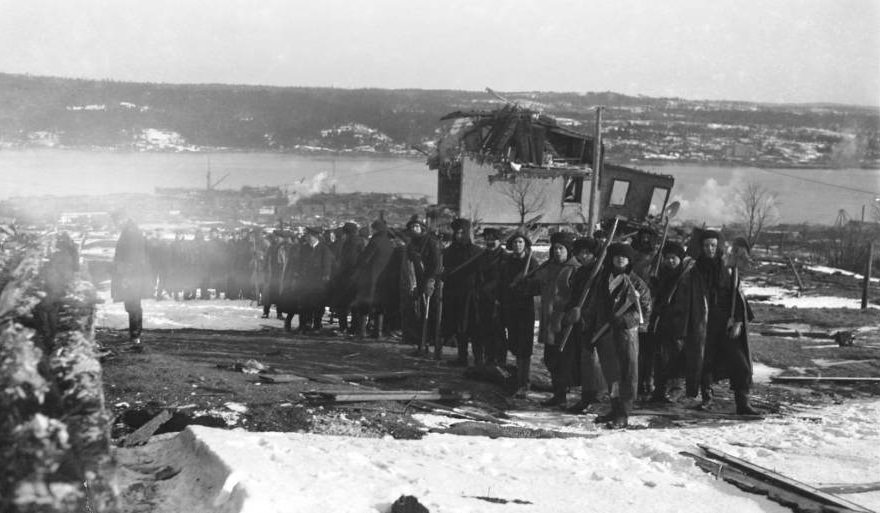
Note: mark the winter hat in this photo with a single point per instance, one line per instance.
(709, 234)
(379, 225)
(621, 249)
(518, 235)
(460, 224)
(564, 238)
(350, 228)
(674, 248)
(414, 220)
(492, 233)
(741, 242)
(585, 243)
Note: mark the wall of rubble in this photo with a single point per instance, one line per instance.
(54, 428)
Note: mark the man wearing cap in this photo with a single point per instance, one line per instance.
(717, 346)
(343, 289)
(460, 294)
(518, 308)
(668, 325)
(587, 370)
(369, 272)
(618, 304)
(316, 264)
(130, 281)
(419, 272)
(644, 257)
(272, 274)
(553, 282)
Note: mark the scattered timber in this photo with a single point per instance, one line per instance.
(355, 396)
(757, 479)
(823, 379)
(471, 428)
(143, 433)
(282, 378)
(687, 414)
(851, 488)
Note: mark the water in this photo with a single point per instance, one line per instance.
(706, 192)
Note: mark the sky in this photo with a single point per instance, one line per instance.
(790, 51)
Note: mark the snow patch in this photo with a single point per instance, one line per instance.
(623, 469)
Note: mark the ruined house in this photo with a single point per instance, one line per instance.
(512, 166)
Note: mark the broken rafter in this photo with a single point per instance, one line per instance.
(824, 379)
(385, 395)
(777, 487)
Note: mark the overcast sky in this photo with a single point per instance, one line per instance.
(758, 50)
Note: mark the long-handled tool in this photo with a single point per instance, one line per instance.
(596, 269)
(669, 213)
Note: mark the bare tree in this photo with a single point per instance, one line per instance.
(526, 195)
(755, 208)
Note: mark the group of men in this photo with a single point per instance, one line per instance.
(621, 319)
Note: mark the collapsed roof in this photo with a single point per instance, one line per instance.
(511, 138)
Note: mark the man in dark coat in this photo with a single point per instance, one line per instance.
(418, 274)
(587, 370)
(717, 344)
(130, 281)
(518, 308)
(343, 287)
(272, 275)
(368, 274)
(490, 327)
(668, 325)
(288, 257)
(460, 294)
(316, 265)
(552, 281)
(617, 305)
(644, 258)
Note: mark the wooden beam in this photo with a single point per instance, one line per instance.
(823, 379)
(783, 483)
(144, 432)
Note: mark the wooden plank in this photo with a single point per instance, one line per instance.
(385, 395)
(824, 379)
(143, 433)
(694, 414)
(282, 378)
(782, 482)
(851, 488)
(370, 376)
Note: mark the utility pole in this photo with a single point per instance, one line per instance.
(867, 280)
(594, 218)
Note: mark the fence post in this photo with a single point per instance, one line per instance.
(867, 281)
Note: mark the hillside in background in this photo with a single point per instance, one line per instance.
(59, 112)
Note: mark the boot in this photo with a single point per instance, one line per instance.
(742, 403)
(523, 373)
(380, 324)
(360, 326)
(612, 414)
(708, 399)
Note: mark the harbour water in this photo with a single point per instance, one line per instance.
(706, 192)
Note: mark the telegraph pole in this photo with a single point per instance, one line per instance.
(594, 218)
(866, 283)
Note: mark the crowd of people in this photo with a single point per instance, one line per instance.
(627, 319)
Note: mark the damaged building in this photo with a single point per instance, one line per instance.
(513, 166)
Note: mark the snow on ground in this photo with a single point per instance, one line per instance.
(832, 270)
(790, 299)
(217, 314)
(633, 470)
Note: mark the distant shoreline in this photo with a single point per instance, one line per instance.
(344, 154)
